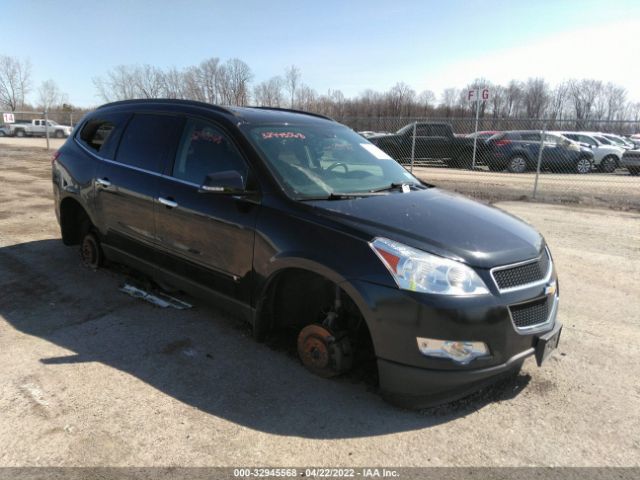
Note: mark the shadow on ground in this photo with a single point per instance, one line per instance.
(200, 356)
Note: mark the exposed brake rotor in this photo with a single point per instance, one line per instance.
(324, 353)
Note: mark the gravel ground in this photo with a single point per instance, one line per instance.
(93, 377)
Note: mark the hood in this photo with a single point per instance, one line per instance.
(441, 223)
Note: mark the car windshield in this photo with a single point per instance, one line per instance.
(318, 161)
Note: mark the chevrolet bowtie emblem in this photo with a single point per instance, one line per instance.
(550, 289)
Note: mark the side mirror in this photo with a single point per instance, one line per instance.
(226, 182)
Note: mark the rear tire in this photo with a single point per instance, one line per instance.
(91, 252)
(583, 166)
(517, 164)
(20, 133)
(609, 164)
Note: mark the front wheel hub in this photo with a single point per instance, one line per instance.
(322, 352)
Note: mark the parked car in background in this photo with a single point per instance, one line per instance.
(605, 157)
(618, 140)
(433, 141)
(517, 151)
(631, 160)
(38, 128)
(4, 131)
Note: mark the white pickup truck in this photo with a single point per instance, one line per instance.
(38, 128)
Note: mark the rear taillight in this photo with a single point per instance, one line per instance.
(502, 142)
(55, 157)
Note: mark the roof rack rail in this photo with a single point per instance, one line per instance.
(169, 101)
(295, 111)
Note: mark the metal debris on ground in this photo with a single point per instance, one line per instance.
(158, 299)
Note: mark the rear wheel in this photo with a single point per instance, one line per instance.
(19, 133)
(517, 164)
(583, 166)
(91, 252)
(609, 164)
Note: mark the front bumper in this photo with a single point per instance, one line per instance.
(408, 378)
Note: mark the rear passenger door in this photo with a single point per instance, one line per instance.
(206, 237)
(126, 187)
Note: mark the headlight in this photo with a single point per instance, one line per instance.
(419, 271)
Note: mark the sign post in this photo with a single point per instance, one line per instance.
(475, 95)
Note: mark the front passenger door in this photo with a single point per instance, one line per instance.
(206, 237)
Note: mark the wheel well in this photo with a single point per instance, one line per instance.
(296, 297)
(74, 221)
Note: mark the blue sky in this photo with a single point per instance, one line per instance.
(347, 45)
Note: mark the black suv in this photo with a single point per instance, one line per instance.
(297, 222)
(518, 151)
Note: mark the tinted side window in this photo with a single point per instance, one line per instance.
(100, 134)
(205, 149)
(149, 140)
(422, 130)
(535, 137)
(439, 131)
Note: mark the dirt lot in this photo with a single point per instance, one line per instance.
(618, 190)
(91, 376)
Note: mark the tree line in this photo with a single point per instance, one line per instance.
(232, 82)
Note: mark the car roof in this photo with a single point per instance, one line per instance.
(257, 115)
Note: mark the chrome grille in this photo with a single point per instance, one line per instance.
(523, 274)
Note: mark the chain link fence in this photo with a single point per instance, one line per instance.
(574, 161)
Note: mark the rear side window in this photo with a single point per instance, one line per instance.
(206, 150)
(100, 134)
(439, 131)
(535, 137)
(149, 140)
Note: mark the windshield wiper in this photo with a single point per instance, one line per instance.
(343, 196)
(394, 186)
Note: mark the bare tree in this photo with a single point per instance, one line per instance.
(449, 100)
(235, 78)
(118, 84)
(148, 81)
(292, 80)
(426, 100)
(49, 95)
(15, 82)
(306, 97)
(269, 92)
(513, 98)
(173, 85)
(583, 95)
(535, 97)
(558, 101)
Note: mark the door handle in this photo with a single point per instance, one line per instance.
(103, 182)
(167, 202)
